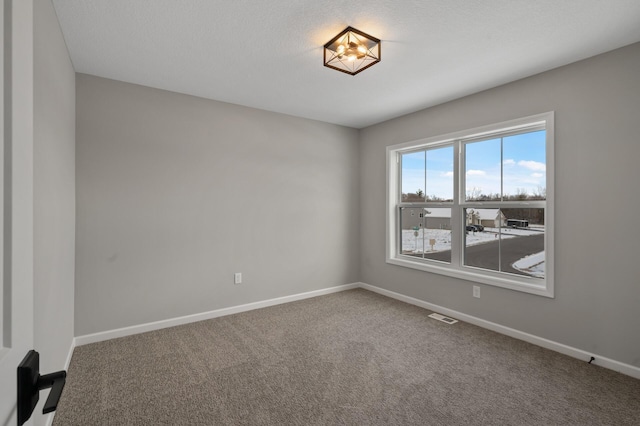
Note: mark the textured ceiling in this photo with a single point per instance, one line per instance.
(267, 54)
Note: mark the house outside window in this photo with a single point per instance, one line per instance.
(476, 204)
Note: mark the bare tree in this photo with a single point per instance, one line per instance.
(474, 193)
(521, 194)
(540, 193)
(417, 196)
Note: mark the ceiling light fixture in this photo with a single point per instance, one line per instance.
(352, 51)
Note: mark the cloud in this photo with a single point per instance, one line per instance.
(509, 162)
(476, 173)
(447, 174)
(533, 165)
(537, 175)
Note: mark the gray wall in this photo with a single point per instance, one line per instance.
(54, 190)
(176, 193)
(597, 105)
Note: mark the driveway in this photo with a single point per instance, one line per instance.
(486, 255)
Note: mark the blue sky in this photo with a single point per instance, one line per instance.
(523, 167)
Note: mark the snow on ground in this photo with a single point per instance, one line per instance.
(442, 237)
(421, 243)
(516, 231)
(533, 264)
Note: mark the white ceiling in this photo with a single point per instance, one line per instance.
(267, 54)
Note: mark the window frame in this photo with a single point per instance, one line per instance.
(456, 268)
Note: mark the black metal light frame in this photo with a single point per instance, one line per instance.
(333, 59)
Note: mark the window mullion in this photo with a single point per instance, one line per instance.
(501, 199)
(425, 175)
(456, 213)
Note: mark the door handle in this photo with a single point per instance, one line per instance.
(30, 383)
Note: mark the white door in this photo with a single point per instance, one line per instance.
(16, 185)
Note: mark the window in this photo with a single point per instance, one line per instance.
(476, 204)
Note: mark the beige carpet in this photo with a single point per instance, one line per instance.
(349, 358)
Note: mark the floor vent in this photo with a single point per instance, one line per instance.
(443, 318)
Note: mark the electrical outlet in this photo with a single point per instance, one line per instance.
(237, 278)
(476, 291)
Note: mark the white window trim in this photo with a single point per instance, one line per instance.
(544, 287)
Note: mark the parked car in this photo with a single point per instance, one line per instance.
(472, 228)
(517, 223)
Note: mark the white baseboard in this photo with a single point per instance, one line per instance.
(70, 354)
(611, 364)
(157, 325)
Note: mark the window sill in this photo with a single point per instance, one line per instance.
(525, 285)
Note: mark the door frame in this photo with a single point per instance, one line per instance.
(17, 207)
